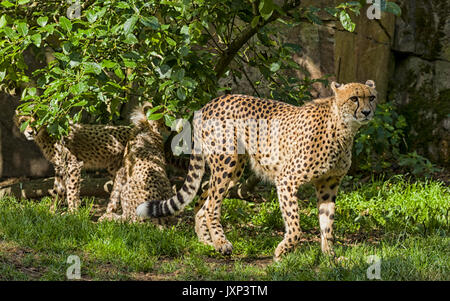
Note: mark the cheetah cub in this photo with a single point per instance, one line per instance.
(286, 144)
(142, 175)
(91, 147)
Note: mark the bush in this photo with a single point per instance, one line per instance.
(381, 147)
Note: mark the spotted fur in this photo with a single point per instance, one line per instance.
(287, 145)
(143, 174)
(90, 147)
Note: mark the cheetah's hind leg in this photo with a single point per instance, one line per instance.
(201, 228)
(120, 181)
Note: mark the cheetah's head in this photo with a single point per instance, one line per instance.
(29, 131)
(356, 102)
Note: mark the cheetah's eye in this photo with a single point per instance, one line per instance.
(371, 98)
(354, 98)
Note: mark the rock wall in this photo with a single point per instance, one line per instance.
(420, 82)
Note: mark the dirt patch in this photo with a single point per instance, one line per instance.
(154, 276)
(12, 254)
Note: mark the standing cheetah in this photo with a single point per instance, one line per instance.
(286, 144)
(91, 147)
(143, 174)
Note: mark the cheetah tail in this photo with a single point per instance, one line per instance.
(138, 117)
(183, 197)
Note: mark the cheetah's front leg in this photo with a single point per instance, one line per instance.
(326, 191)
(59, 186)
(73, 183)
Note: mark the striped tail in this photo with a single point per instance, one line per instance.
(184, 196)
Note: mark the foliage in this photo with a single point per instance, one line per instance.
(115, 50)
(381, 147)
(418, 164)
(104, 53)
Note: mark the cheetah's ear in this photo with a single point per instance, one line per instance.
(370, 83)
(334, 86)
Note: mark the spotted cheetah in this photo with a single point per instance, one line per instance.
(90, 147)
(287, 145)
(143, 174)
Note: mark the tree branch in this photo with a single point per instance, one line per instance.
(229, 54)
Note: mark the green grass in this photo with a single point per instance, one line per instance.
(406, 224)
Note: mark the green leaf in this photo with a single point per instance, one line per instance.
(112, 86)
(66, 46)
(91, 16)
(80, 103)
(151, 115)
(123, 5)
(153, 110)
(129, 64)
(65, 23)
(119, 73)
(42, 21)
(313, 18)
(170, 41)
(36, 39)
(266, 8)
(108, 64)
(155, 116)
(92, 67)
(184, 51)
(178, 75)
(169, 120)
(22, 2)
(181, 94)
(151, 22)
(24, 125)
(346, 21)
(332, 11)
(61, 56)
(2, 74)
(393, 8)
(131, 39)
(255, 21)
(274, 67)
(129, 24)
(184, 30)
(164, 71)
(7, 4)
(32, 91)
(79, 88)
(22, 28)
(3, 21)
(10, 33)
